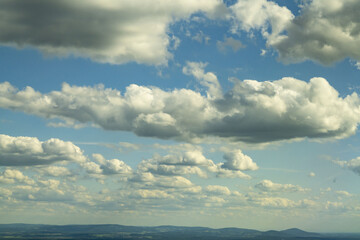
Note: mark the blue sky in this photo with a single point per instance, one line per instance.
(199, 113)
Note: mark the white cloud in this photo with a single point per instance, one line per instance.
(155, 194)
(106, 167)
(275, 202)
(312, 174)
(261, 15)
(115, 166)
(194, 162)
(110, 31)
(343, 193)
(15, 176)
(201, 37)
(217, 190)
(269, 186)
(353, 165)
(252, 111)
(236, 160)
(325, 31)
(27, 151)
(208, 79)
(55, 171)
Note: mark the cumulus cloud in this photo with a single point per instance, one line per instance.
(15, 176)
(269, 186)
(250, 15)
(217, 190)
(236, 160)
(194, 162)
(353, 165)
(27, 151)
(325, 31)
(207, 79)
(275, 202)
(252, 111)
(55, 171)
(105, 31)
(102, 166)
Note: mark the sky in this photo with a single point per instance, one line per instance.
(181, 112)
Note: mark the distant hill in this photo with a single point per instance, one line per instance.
(113, 231)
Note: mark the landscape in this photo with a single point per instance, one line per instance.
(111, 231)
(180, 119)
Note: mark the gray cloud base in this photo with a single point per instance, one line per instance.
(105, 31)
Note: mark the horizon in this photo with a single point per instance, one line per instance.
(179, 226)
(215, 113)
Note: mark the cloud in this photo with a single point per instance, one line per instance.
(28, 151)
(353, 165)
(252, 111)
(105, 31)
(250, 15)
(325, 31)
(269, 186)
(55, 171)
(190, 162)
(343, 193)
(13, 176)
(106, 167)
(209, 79)
(311, 174)
(236, 160)
(201, 37)
(194, 162)
(234, 44)
(115, 166)
(217, 190)
(148, 180)
(275, 202)
(154, 194)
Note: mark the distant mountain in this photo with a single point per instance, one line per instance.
(113, 231)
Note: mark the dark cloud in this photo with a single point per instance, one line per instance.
(105, 31)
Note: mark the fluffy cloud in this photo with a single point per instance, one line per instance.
(208, 79)
(106, 167)
(353, 165)
(55, 171)
(194, 162)
(326, 31)
(251, 111)
(269, 186)
(217, 190)
(249, 15)
(27, 151)
(105, 31)
(13, 175)
(275, 202)
(236, 160)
